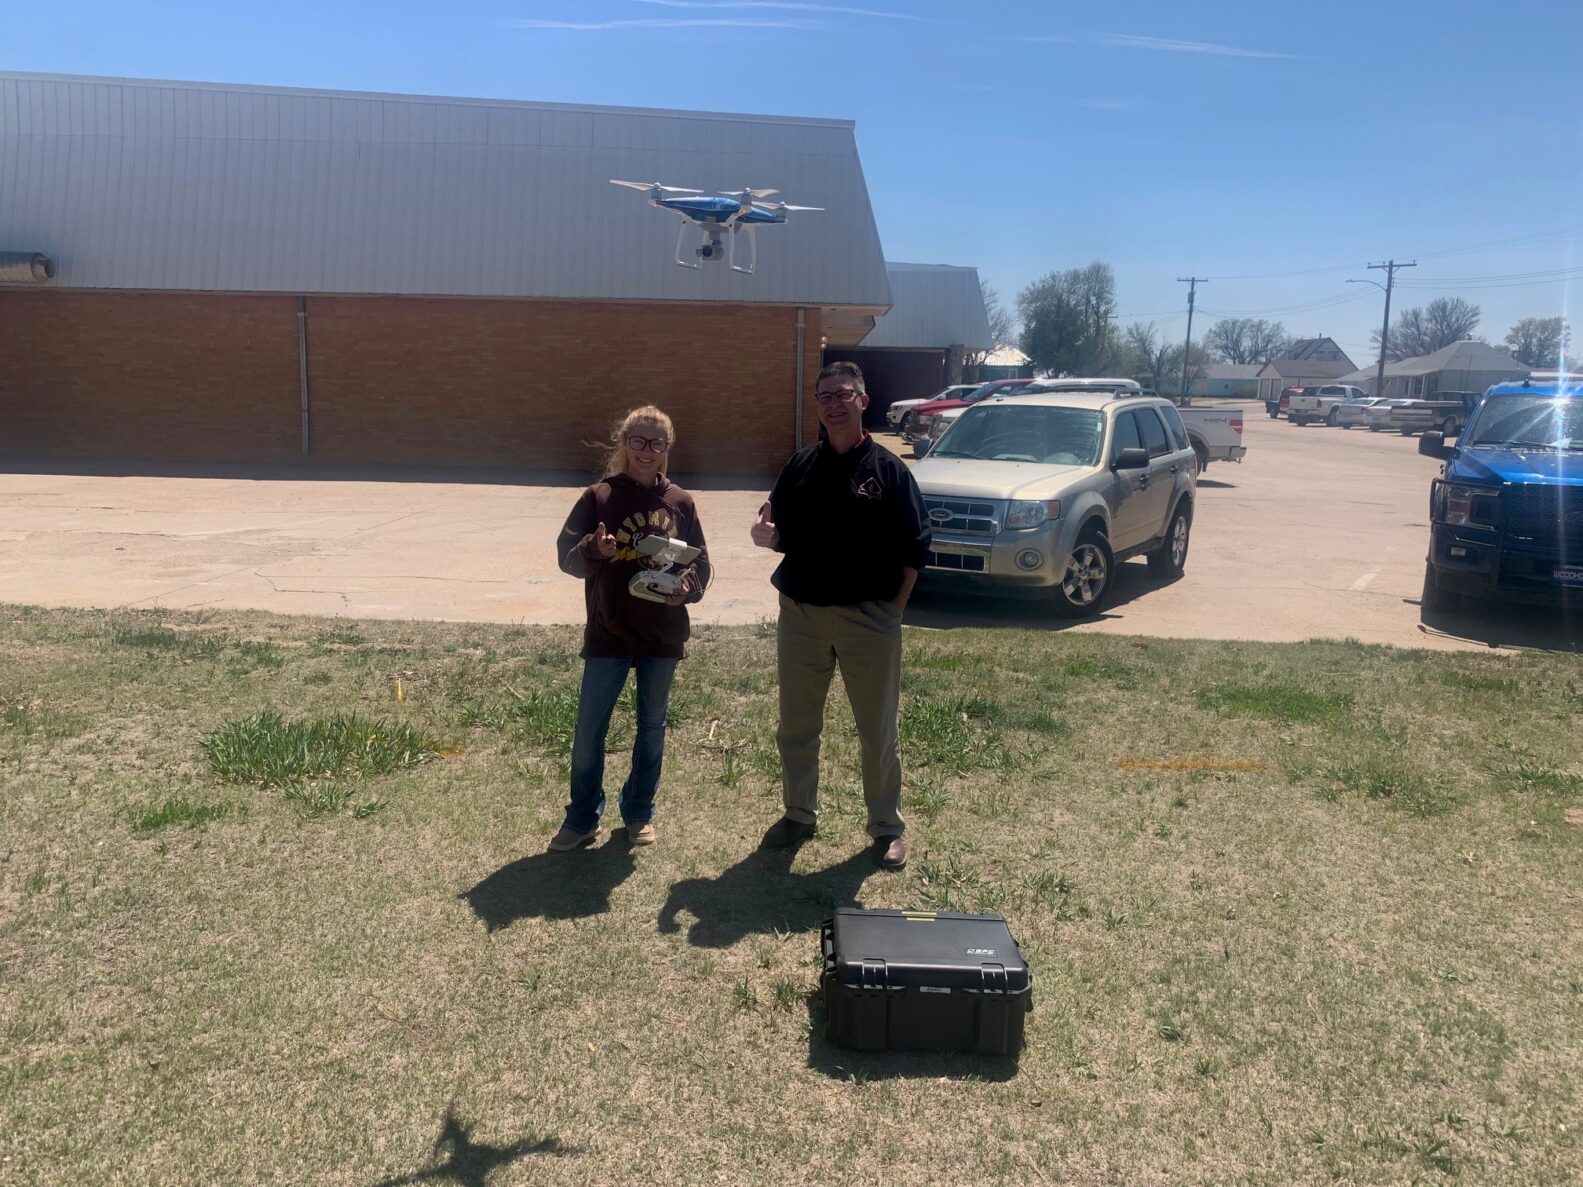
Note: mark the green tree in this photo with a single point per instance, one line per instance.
(1066, 321)
(1154, 362)
(1540, 341)
(1144, 356)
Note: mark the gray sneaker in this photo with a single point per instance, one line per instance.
(568, 839)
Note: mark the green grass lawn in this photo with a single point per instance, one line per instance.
(275, 908)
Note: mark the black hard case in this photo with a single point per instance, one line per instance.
(924, 981)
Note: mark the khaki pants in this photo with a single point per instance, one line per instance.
(865, 639)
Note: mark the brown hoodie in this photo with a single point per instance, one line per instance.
(619, 624)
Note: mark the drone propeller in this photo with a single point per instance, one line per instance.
(748, 193)
(782, 207)
(651, 186)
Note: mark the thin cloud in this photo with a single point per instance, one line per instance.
(1161, 45)
(603, 26)
(1133, 41)
(790, 6)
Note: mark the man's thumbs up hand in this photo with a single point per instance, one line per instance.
(601, 543)
(764, 532)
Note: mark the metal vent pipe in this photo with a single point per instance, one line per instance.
(25, 267)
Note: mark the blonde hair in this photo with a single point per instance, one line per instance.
(616, 460)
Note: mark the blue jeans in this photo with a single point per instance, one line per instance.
(603, 680)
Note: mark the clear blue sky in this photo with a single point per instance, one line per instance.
(1220, 139)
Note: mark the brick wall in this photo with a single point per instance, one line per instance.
(407, 381)
(168, 377)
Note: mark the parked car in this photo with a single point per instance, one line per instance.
(923, 415)
(1448, 413)
(1320, 403)
(1045, 493)
(1280, 403)
(1506, 513)
(1354, 413)
(896, 415)
(1377, 416)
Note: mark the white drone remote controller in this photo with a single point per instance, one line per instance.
(655, 585)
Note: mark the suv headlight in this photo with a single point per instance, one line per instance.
(1030, 513)
(1477, 506)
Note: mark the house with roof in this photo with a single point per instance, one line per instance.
(1307, 361)
(937, 315)
(265, 275)
(1465, 366)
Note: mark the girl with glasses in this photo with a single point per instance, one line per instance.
(626, 633)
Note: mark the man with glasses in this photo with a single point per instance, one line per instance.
(849, 521)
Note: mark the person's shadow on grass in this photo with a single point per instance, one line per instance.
(761, 894)
(468, 1162)
(553, 885)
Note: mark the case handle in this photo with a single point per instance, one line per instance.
(874, 975)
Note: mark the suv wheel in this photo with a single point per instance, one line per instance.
(1169, 560)
(1089, 573)
(901, 425)
(1435, 600)
(1333, 419)
(1448, 427)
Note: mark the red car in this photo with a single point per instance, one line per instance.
(922, 418)
(1277, 406)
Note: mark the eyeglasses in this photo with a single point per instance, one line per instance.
(844, 396)
(652, 444)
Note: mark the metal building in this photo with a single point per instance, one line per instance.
(937, 318)
(267, 274)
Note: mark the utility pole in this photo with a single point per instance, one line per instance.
(1192, 283)
(1389, 268)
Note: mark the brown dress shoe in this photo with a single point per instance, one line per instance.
(890, 853)
(786, 832)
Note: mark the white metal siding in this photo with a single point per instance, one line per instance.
(145, 185)
(936, 306)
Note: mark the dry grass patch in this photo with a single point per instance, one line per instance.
(1296, 914)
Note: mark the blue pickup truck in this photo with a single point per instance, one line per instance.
(1506, 515)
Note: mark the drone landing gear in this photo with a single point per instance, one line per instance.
(681, 233)
(712, 249)
(753, 252)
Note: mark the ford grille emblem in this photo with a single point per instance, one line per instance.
(941, 515)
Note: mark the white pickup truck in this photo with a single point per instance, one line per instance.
(1216, 434)
(1320, 403)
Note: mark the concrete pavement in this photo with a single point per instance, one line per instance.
(1319, 533)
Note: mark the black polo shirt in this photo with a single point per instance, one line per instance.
(849, 523)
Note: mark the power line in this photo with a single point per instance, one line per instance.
(1496, 282)
(1514, 241)
(1528, 237)
(1302, 307)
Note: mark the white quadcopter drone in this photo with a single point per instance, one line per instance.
(655, 585)
(716, 215)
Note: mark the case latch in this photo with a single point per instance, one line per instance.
(994, 977)
(873, 974)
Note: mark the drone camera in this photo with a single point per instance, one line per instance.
(709, 251)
